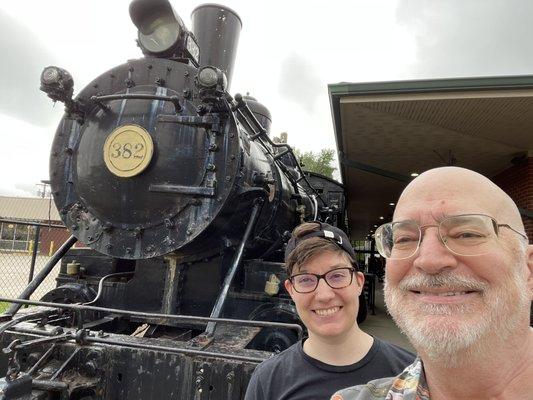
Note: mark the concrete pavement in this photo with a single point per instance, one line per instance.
(382, 326)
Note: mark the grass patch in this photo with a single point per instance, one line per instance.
(3, 306)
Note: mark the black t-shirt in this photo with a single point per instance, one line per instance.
(293, 375)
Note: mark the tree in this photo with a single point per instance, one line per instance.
(320, 162)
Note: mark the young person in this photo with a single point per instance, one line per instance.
(325, 285)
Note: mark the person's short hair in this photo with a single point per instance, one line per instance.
(312, 238)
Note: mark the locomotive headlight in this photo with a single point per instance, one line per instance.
(57, 83)
(50, 75)
(211, 78)
(160, 28)
(162, 38)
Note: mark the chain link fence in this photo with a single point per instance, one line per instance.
(25, 247)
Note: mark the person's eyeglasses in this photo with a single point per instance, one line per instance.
(337, 278)
(464, 235)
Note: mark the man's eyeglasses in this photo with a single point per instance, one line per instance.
(337, 278)
(464, 235)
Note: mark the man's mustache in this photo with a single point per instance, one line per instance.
(446, 280)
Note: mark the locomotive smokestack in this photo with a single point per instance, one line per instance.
(217, 30)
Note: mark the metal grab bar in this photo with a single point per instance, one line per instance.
(188, 318)
(138, 96)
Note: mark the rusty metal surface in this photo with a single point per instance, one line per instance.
(110, 368)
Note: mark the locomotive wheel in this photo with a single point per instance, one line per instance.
(71, 293)
(275, 340)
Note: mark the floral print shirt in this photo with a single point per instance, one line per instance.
(409, 385)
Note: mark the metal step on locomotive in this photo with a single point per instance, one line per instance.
(184, 204)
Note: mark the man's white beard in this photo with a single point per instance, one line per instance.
(453, 341)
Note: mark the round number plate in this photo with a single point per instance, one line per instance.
(128, 150)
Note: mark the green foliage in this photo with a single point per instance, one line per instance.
(320, 162)
(3, 307)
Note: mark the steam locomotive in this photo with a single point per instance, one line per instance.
(184, 204)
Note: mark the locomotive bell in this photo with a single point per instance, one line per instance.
(217, 29)
(211, 83)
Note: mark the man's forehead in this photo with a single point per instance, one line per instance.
(452, 191)
(437, 209)
(449, 192)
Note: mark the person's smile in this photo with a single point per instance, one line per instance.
(327, 312)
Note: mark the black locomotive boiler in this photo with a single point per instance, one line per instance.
(184, 204)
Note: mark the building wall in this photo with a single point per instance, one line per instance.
(517, 182)
(51, 239)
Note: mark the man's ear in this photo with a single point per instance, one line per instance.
(288, 287)
(529, 260)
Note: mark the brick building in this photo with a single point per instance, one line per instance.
(19, 217)
(517, 181)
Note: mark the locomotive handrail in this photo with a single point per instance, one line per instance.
(139, 96)
(190, 318)
(180, 189)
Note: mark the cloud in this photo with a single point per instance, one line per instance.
(25, 56)
(299, 82)
(24, 153)
(470, 38)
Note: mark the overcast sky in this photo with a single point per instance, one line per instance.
(288, 53)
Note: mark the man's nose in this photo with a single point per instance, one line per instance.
(323, 291)
(433, 256)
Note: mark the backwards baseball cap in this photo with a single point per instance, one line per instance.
(326, 231)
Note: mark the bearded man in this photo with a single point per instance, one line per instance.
(459, 283)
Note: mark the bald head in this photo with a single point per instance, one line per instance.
(466, 190)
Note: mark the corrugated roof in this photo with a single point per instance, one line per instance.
(26, 208)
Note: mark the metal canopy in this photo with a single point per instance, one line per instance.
(386, 131)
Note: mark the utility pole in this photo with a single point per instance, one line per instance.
(43, 192)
